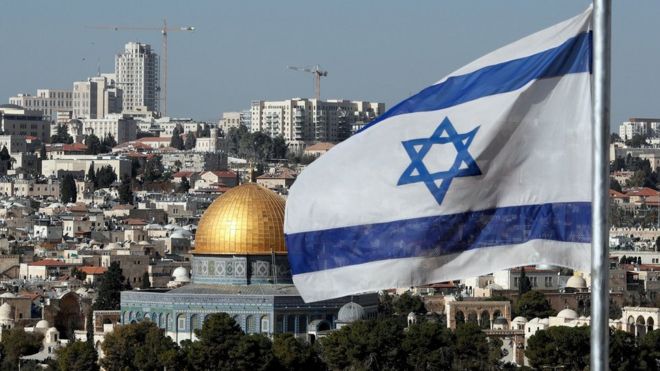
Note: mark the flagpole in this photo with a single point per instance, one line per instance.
(601, 126)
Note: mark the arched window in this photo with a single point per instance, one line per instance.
(291, 324)
(472, 317)
(649, 324)
(181, 323)
(302, 324)
(127, 318)
(265, 325)
(250, 324)
(641, 326)
(460, 317)
(195, 323)
(484, 320)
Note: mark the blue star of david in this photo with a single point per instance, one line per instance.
(438, 183)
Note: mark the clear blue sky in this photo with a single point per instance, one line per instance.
(374, 50)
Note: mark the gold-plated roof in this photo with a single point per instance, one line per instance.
(247, 220)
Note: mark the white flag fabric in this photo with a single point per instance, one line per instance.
(485, 170)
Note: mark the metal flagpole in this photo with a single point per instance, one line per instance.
(600, 175)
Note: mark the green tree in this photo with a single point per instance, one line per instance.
(184, 186)
(473, 350)
(190, 141)
(108, 143)
(105, 176)
(524, 285)
(365, 345)
(139, 346)
(295, 355)
(407, 303)
(91, 174)
(279, 147)
(624, 354)
(68, 191)
(649, 349)
(93, 144)
(615, 185)
(176, 141)
(89, 326)
(429, 346)
(42, 152)
(126, 191)
(217, 340)
(253, 352)
(78, 355)
(61, 135)
(16, 343)
(4, 154)
(533, 304)
(109, 288)
(559, 346)
(146, 282)
(154, 169)
(385, 305)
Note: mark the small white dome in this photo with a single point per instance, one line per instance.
(7, 295)
(576, 282)
(5, 312)
(43, 324)
(519, 319)
(351, 312)
(180, 274)
(568, 314)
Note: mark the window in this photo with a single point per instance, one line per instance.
(515, 281)
(181, 323)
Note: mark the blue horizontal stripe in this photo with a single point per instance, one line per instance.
(573, 56)
(438, 235)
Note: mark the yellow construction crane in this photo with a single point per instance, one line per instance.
(317, 72)
(164, 30)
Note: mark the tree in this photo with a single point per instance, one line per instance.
(473, 350)
(139, 346)
(184, 186)
(78, 274)
(176, 141)
(108, 143)
(68, 191)
(146, 282)
(93, 144)
(253, 352)
(624, 354)
(61, 135)
(559, 346)
(365, 345)
(16, 343)
(110, 285)
(429, 346)
(533, 304)
(524, 285)
(407, 303)
(649, 350)
(615, 185)
(279, 147)
(78, 355)
(89, 326)
(190, 141)
(91, 175)
(385, 305)
(126, 191)
(42, 152)
(105, 176)
(154, 169)
(4, 154)
(217, 339)
(293, 354)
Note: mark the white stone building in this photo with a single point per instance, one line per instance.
(639, 126)
(73, 163)
(15, 120)
(96, 98)
(137, 70)
(122, 128)
(48, 101)
(302, 120)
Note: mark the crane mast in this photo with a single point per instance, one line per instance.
(317, 72)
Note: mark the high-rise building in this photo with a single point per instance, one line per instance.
(639, 126)
(97, 97)
(48, 101)
(137, 70)
(302, 121)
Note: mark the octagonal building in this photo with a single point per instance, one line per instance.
(239, 266)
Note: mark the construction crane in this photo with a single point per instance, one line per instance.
(165, 30)
(317, 72)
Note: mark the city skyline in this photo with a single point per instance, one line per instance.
(239, 52)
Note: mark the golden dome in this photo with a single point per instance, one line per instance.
(247, 220)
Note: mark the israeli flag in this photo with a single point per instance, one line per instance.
(485, 170)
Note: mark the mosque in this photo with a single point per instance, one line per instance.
(240, 267)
